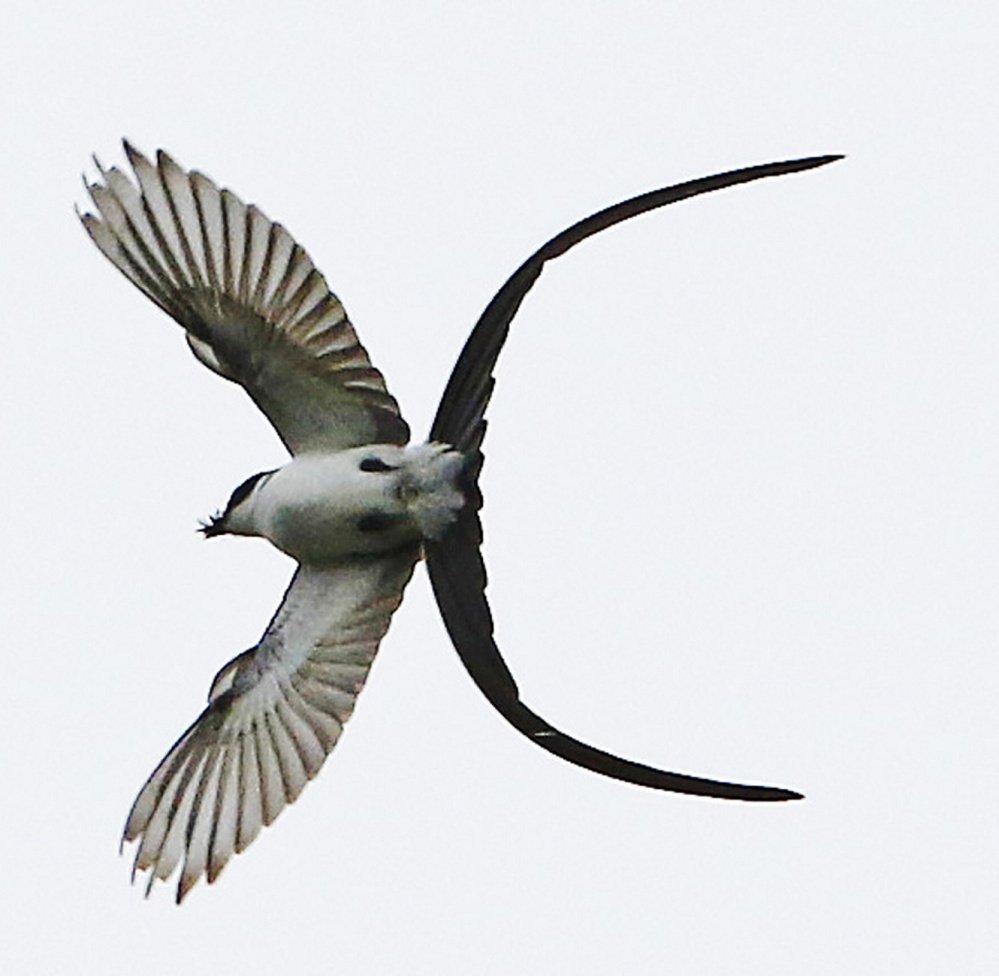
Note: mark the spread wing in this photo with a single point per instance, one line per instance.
(274, 713)
(254, 307)
(455, 564)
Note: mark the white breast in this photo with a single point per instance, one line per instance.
(321, 507)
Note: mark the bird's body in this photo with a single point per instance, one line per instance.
(356, 506)
(326, 506)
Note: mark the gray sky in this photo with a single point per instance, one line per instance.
(740, 488)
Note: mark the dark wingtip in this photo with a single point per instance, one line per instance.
(131, 153)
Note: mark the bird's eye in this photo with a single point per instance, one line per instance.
(376, 464)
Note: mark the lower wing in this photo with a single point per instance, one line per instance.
(274, 714)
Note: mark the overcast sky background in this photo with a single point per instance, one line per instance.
(740, 490)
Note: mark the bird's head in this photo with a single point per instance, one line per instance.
(238, 516)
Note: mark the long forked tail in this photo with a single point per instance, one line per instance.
(457, 572)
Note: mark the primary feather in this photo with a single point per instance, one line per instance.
(274, 714)
(255, 308)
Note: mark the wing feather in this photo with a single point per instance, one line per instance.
(208, 205)
(179, 194)
(274, 714)
(200, 823)
(249, 803)
(225, 823)
(234, 224)
(255, 308)
(269, 768)
(119, 229)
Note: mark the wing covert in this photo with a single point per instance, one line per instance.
(255, 308)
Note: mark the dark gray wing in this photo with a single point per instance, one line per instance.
(255, 308)
(455, 564)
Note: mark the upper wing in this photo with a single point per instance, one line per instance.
(255, 308)
(274, 714)
(455, 564)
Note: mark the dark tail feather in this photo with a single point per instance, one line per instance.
(458, 578)
(457, 572)
(459, 420)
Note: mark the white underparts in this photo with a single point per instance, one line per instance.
(377, 498)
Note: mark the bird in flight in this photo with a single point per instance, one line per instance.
(356, 506)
